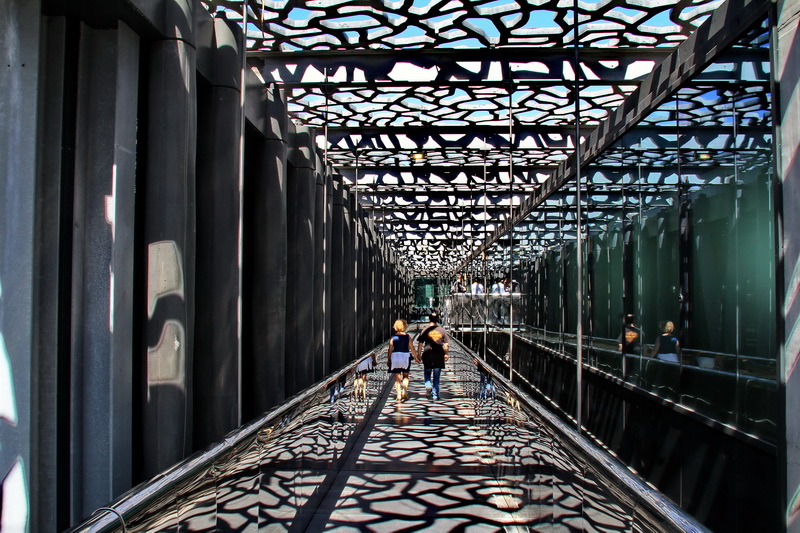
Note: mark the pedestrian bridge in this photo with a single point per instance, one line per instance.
(484, 457)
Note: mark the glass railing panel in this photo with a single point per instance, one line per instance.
(555, 476)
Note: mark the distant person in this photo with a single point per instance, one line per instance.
(458, 286)
(496, 305)
(667, 347)
(510, 285)
(498, 287)
(433, 345)
(477, 287)
(398, 356)
(485, 386)
(630, 338)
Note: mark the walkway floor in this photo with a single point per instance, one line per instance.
(421, 465)
(466, 462)
(460, 463)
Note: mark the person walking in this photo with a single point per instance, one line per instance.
(399, 354)
(667, 347)
(629, 340)
(433, 345)
(458, 287)
(476, 287)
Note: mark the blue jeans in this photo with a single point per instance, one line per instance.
(435, 384)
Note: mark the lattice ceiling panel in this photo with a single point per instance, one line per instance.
(473, 107)
(385, 24)
(450, 158)
(441, 114)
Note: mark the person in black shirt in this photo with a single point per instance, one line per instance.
(434, 354)
(630, 338)
(459, 286)
(667, 347)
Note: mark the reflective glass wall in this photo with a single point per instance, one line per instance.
(644, 308)
(675, 279)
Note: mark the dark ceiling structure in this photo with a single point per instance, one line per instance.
(446, 116)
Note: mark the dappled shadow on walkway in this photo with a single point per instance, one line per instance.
(467, 460)
(477, 459)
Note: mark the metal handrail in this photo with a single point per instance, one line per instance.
(671, 516)
(109, 517)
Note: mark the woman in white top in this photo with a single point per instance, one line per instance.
(398, 358)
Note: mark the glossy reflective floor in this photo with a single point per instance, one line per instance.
(423, 465)
(477, 459)
(470, 461)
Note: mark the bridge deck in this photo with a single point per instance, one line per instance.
(468, 461)
(477, 459)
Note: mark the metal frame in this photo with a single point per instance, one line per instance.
(477, 83)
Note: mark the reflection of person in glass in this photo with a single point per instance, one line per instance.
(630, 337)
(498, 287)
(485, 386)
(399, 358)
(366, 366)
(667, 347)
(458, 286)
(435, 353)
(511, 285)
(498, 308)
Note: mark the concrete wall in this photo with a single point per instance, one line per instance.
(144, 273)
(20, 43)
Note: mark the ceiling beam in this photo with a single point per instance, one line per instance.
(707, 43)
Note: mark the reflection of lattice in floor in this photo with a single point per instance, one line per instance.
(445, 502)
(460, 463)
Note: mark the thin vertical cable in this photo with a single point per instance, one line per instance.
(738, 188)
(511, 233)
(355, 264)
(326, 183)
(578, 221)
(242, 130)
(483, 259)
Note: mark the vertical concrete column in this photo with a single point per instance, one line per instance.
(51, 432)
(393, 287)
(386, 302)
(369, 285)
(329, 243)
(359, 249)
(337, 267)
(301, 204)
(391, 303)
(20, 43)
(370, 291)
(787, 77)
(374, 290)
(381, 313)
(217, 365)
(321, 271)
(169, 237)
(102, 269)
(389, 288)
(265, 260)
(348, 277)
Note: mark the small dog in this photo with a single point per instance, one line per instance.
(360, 381)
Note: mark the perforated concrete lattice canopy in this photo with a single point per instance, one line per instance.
(446, 116)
